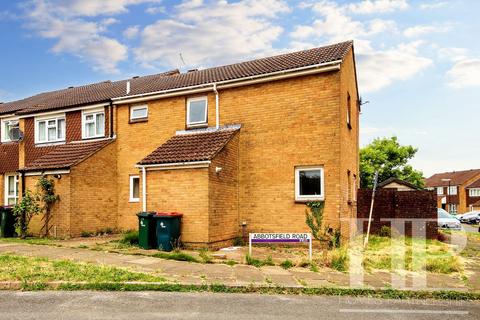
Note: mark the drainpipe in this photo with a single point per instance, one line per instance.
(217, 112)
(111, 118)
(144, 189)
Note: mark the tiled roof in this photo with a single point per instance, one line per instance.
(67, 155)
(457, 178)
(197, 146)
(398, 181)
(475, 184)
(8, 157)
(104, 91)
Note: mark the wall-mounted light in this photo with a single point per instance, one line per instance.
(218, 170)
(57, 176)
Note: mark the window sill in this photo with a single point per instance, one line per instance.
(197, 126)
(138, 120)
(49, 144)
(309, 200)
(93, 138)
(134, 200)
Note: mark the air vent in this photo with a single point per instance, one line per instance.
(71, 87)
(135, 77)
(192, 70)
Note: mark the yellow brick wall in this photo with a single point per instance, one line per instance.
(94, 190)
(185, 191)
(60, 215)
(223, 193)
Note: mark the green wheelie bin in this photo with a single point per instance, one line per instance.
(7, 222)
(168, 230)
(146, 230)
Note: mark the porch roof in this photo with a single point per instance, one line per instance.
(199, 145)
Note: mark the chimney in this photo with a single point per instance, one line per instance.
(128, 87)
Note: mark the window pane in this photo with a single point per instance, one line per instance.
(139, 113)
(89, 117)
(100, 124)
(135, 188)
(309, 182)
(11, 185)
(52, 134)
(197, 111)
(11, 201)
(90, 130)
(61, 128)
(41, 131)
(51, 123)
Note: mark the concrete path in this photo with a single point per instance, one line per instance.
(211, 306)
(243, 275)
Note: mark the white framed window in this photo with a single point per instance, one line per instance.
(139, 112)
(6, 126)
(50, 129)
(452, 190)
(197, 109)
(439, 190)
(134, 188)
(309, 184)
(453, 208)
(93, 124)
(474, 192)
(11, 189)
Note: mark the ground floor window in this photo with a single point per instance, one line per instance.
(309, 184)
(453, 208)
(11, 189)
(134, 188)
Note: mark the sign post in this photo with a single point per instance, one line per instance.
(280, 238)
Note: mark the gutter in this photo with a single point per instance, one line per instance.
(278, 75)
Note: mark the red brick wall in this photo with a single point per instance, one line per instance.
(74, 126)
(393, 204)
(8, 157)
(33, 152)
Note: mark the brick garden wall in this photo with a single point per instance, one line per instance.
(393, 204)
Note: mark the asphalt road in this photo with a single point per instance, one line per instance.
(470, 227)
(157, 305)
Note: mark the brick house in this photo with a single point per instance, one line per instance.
(456, 191)
(243, 144)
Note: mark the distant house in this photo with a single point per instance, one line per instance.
(453, 190)
(400, 185)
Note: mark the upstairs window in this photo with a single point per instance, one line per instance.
(93, 124)
(7, 126)
(452, 190)
(197, 112)
(139, 113)
(439, 190)
(474, 192)
(50, 129)
(309, 184)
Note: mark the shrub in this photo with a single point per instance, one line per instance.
(238, 242)
(86, 234)
(231, 262)
(130, 237)
(24, 211)
(287, 264)
(385, 231)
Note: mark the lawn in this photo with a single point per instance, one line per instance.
(17, 268)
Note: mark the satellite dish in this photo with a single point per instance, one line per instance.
(15, 134)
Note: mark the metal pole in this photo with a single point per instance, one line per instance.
(375, 179)
(250, 244)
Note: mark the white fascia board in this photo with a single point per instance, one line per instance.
(54, 112)
(46, 172)
(173, 166)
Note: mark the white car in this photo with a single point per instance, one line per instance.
(448, 221)
(469, 217)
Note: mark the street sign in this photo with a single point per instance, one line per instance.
(280, 238)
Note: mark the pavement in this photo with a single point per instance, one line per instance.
(243, 275)
(157, 305)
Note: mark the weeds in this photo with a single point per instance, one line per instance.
(205, 256)
(130, 238)
(287, 264)
(179, 256)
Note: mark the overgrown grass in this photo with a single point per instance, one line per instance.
(130, 238)
(18, 268)
(339, 259)
(257, 262)
(287, 264)
(205, 256)
(179, 256)
(37, 241)
(384, 253)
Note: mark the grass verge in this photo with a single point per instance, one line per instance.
(220, 288)
(41, 270)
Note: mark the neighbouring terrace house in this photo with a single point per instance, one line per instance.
(457, 191)
(238, 146)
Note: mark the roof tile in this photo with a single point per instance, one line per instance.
(457, 178)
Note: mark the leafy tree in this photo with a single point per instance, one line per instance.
(24, 212)
(391, 159)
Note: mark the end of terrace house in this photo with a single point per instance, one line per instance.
(243, 144)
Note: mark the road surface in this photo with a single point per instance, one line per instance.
(157, 305)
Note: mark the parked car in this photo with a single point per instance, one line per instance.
(448, 221)
(471, 217)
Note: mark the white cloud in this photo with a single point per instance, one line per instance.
(68, 23)
(465, 73)
(377, 6)
(453, 53)
(378, 69)
(211, 33)
(156, 10)
(433, 5)
(421, 30)
(131, 32)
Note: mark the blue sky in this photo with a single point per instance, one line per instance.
(418, 61)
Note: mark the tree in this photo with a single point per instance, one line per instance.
(48, 198)
(391, 160)
(24, 212)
